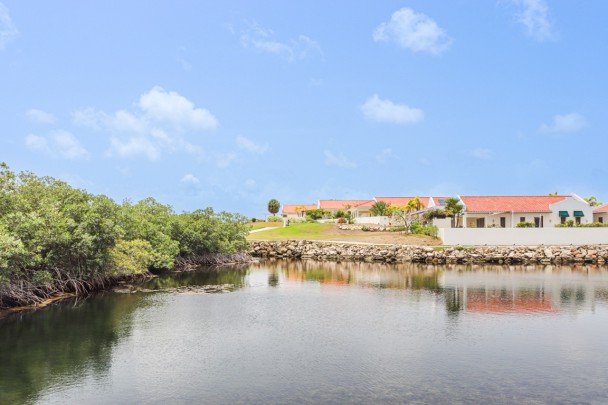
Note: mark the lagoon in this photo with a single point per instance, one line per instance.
(320, 332)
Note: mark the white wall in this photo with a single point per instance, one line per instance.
(524, 236)
(604, 215)
(571, 204)
(372, 220)
(442, 222)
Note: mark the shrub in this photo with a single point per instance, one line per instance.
(316, 213)
(274, 218)
(342, 220)
(340, 214)
(366, 228)
(525, 225)
(253, 220)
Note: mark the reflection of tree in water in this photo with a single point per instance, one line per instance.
(204, 276)
(60, 344)
(454, 302)
(273, 278)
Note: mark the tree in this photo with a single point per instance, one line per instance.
(379, 209)
(274, 206)
(593, 201)
(553, 194)
(454, 209)
(300, 210)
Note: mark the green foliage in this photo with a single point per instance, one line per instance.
(593, 201)
(420, 229)
(49, 228)
(253, 220)
(431, 214)
(273, 206)
(525, 225)
(273, 218)
(379, 209)
(570, 224)
(341, 214)
(454, 209)
(315, 214)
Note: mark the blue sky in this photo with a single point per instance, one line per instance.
(229, 104)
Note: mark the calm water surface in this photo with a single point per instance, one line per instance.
(308, 332)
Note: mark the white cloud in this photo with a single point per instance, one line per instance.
(482, 153)
(385, 156)
(535, 18)
(264, 40)
(190, 179)
(250, 184)
(39, 116)
(338, 160)
(250, 146)
(57, 144)
(414, 31)
(8, 30)
(380, 110)
(565, 123)
(223, 160)
(155, 126)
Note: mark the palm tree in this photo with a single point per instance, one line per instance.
(379, 209)
(274, 206)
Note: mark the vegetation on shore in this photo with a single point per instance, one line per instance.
(55, 238)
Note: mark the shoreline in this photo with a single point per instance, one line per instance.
(348, 251)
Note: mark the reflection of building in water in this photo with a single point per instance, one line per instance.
(524, 289)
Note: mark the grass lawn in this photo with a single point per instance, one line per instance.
(312, 231)
(258, 225)
(318, 231)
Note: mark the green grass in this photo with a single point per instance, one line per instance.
(296, 231)
(258, 225)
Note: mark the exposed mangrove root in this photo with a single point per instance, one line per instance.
(22, 292)
(212, 259)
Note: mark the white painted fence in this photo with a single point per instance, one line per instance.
(523, 236)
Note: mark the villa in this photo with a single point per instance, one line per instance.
(357, 208)
(508, 211)
(601, 214)
(297, 210)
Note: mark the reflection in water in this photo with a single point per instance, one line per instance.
(60, 344)
(76, 346)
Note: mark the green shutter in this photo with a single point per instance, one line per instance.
(564, 214)
(579, 214)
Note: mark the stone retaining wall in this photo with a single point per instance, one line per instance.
(337, 251)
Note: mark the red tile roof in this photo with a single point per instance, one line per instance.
(603, 208)
(291, 208)
(436, 200)
(534, 203)
(401, 201)
(342, 204)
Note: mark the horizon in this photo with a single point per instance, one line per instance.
(230, 105)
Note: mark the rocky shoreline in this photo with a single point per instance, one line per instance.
(339, 251)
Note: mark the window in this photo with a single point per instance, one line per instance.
(481, 223)
(522, 219)
(578, 220)
(537, 222)
(503, 222)
(563, 219)
(600, 220)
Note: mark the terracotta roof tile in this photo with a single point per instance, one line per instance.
(342, 204)
(291, 208)
(538, 203)
(603, 208)
(401, 201)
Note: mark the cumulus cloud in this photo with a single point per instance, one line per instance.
(572, 122)
(155, 125)
(338, 160)
(39, 116)
(414, 31)
(376, 109)
(8, 30)
(190, 179)
(264, 40)
(482, 153)
(534, 16)
(250, 146)
(60, 144)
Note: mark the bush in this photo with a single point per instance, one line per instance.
(342, 220)
(525, 225)
(365, 228)
(253, 220)
(274, 218)
(317, 213)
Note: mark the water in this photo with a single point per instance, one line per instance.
(306, 332)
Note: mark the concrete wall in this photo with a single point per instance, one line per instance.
(523, 236)
(372, 220)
